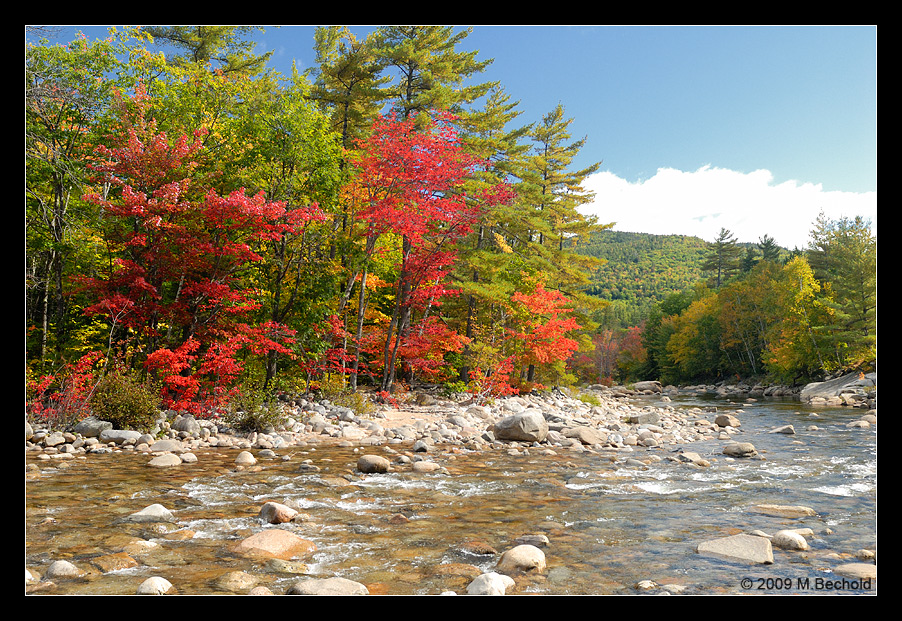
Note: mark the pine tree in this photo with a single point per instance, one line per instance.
(431, 73)
(224, 48)
(769, 249)
(723, 257)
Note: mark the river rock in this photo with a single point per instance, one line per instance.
(786, 511)
(644, 418)
(740, 449)
(120, 436)
(373, 464)
(693, 458)
(154, 586)
(785, 429)
(62, 570)
(524, 558)
(789, 540)
(653, 386)
(857, 571)
(726, 420)
(166, 460)
(275, 543)
(187, 424)
(114, 562)
(425, 466)
(327, 586)
(586, 435)
(245, 458)
(235, 581)
(490, 583)
(745, 548)
(169, 445)
(276, 513)
(152, 513)
(91, 427)
(527, 426)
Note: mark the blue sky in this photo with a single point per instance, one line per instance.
(753, 129)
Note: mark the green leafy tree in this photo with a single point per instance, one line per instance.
(67, 93)
(798, 346)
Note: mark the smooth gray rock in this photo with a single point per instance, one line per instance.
(91, 427)
(743, 548)
(120, 436)
(152, 513)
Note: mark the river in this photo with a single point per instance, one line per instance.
(610, 524)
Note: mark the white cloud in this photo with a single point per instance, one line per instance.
(702, 202)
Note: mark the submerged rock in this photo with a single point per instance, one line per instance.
(327, 586)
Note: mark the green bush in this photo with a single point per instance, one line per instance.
(126, 402)
(254, 409)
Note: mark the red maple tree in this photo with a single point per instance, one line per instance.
(413, 181)
(174, 292)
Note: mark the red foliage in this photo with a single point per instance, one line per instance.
(179, 255)
(63, 396)
(544, 325)
(412, 179)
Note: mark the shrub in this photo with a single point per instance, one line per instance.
(253, 409)
(125, 401)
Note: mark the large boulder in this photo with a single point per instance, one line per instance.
(91, 427)
(653, 386)
(850, 382)
(527, 426)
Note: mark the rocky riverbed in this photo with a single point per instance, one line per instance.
(614, 424)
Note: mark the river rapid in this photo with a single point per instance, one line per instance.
(610, 522)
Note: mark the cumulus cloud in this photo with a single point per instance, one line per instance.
(703, 201)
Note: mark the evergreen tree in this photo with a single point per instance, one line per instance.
(347, 81)
(723, 257)
(843, 256)
(224, 48)
(431, 73)
(770, 251)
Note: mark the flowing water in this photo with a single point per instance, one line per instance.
(609, 524)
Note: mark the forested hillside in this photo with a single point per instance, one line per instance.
(640, 270)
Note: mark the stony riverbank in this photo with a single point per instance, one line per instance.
(614, 423)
